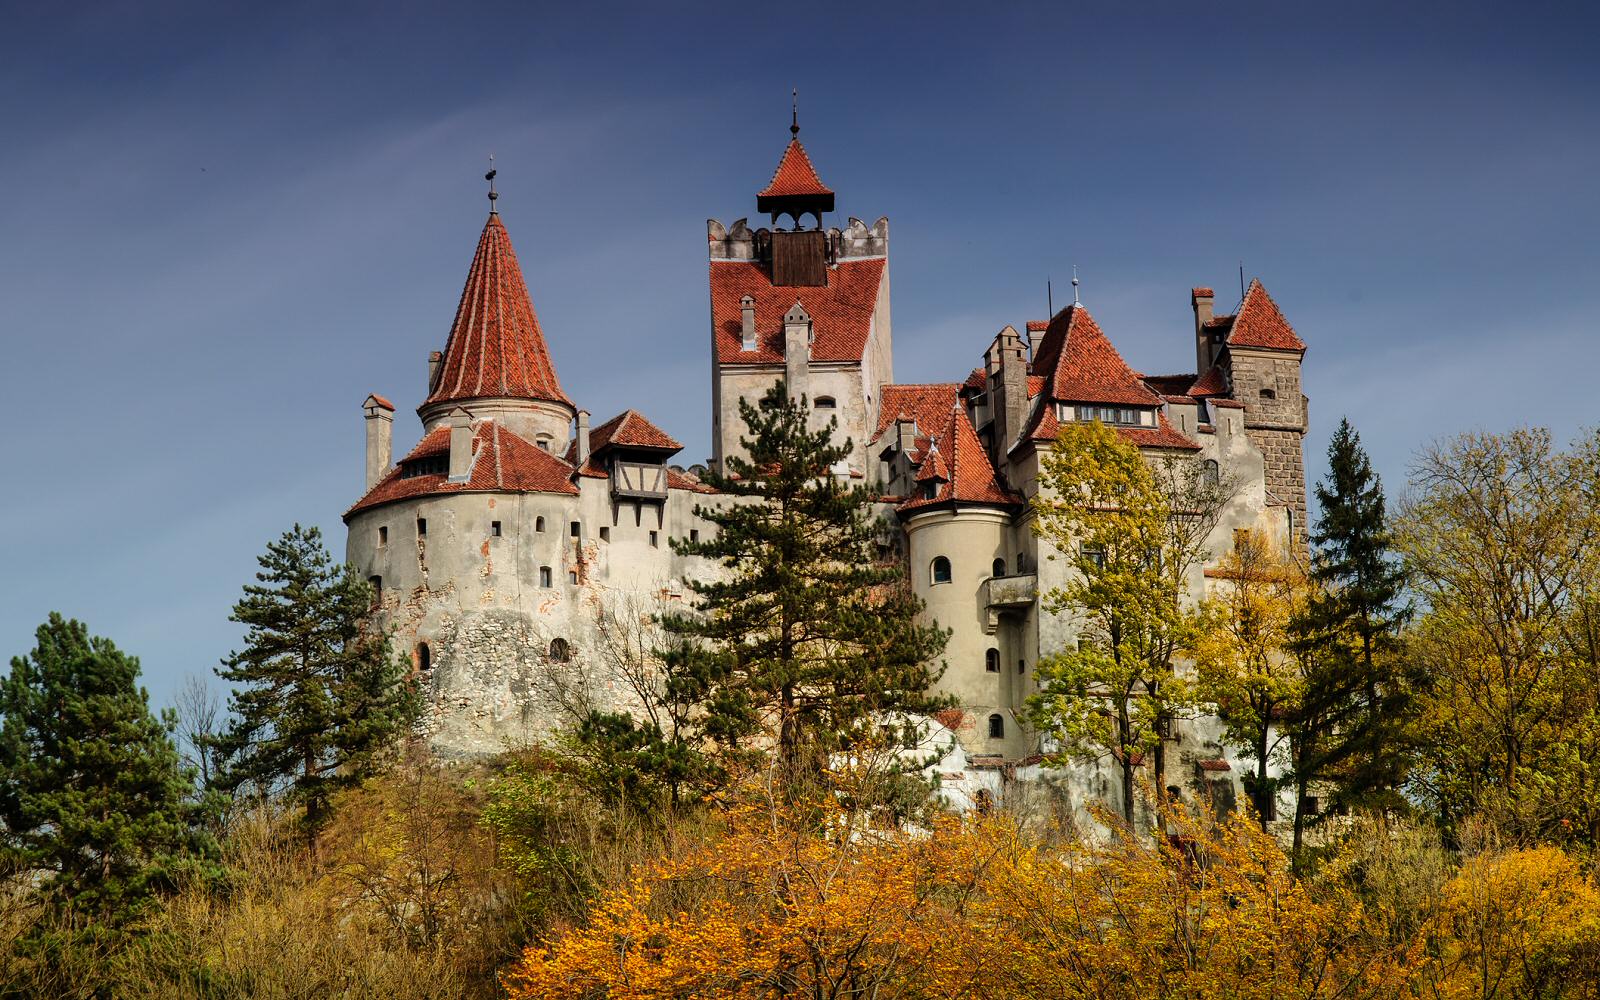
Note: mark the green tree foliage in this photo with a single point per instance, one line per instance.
(318, 694)
(91, 788)
(1131, 529)
(1503, 536)
(810, 636)
(1350, 725)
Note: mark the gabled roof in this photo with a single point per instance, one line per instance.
(630, 429)
(1080, 365)
(795, 176)
(841, 311)
(501, 462)
(496, 347)
(961, 467)
(1260, 323)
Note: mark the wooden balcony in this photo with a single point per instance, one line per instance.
(638, 481)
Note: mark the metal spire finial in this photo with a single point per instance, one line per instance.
(1075, 286)
(794, 114)
(492, 194)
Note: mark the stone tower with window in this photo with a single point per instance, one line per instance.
(807, 304)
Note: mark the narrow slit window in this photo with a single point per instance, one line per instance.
(424, 657)
(383, 535)
(991, 660)
(422, 527)
(694, 534)
(494, 528)
(546, 578)
(538, 524)
(655, 540)
(997, 727)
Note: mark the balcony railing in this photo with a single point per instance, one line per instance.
(1009, 593)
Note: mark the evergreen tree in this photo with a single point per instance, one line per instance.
(91, 787)
(1357, 696)
(811, 641)
(318, 694)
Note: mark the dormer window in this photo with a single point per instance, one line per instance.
(544, 441)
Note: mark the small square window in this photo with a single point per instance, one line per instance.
(494, 528)
(422, 527)
(576, 530)
(545, 578)
(694, 534)
(383, 535)
(655, 540)
(605, 534)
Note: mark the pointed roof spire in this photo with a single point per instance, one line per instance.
(496, 348)
(795, 188)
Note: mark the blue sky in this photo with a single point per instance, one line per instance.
(221, 228)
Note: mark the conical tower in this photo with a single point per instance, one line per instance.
(495, 362)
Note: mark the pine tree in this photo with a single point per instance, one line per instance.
(811, 642)
(318, 695)
(1349, 636)
(91, 787)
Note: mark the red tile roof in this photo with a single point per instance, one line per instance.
(1163, 435)
(630, 429)
(1082, 366)
(1169, 385)
(929, 405)
(1038, 325)
(970, 477)
(841, 311)
(381, 402)
(495, 346)
(682, 481)
(1261, 324)
(1201, 292)
(1214, 764)
(1213, 383)
(501, 462)
(795, 175)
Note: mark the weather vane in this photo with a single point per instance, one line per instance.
(794, 113)
(1075, 286)
(490, 178)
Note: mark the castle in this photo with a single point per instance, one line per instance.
(514, 543)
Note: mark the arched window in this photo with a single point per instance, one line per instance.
(538, 524)
(941, 569)
(1210, 472)
(991, 660)
(377, 590)
(825, 403)
(424, 658)
(1000, 567)
(1269, 394)
(983, 801)
(560, 651)
(546, 578)
(997, 727)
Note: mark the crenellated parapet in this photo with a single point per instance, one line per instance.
(856, 241)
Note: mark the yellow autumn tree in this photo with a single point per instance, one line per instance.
(1522, 924)
(779, 907)
(1210, 910)
(1242, 655)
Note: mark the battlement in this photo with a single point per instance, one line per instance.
(856, 241)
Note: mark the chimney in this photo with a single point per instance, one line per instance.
(380, 437)
(797, 350)
(460, 445)
(1204, 356)
(435, 362)
(747, 323)
(1009, 399)
(583, 436)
